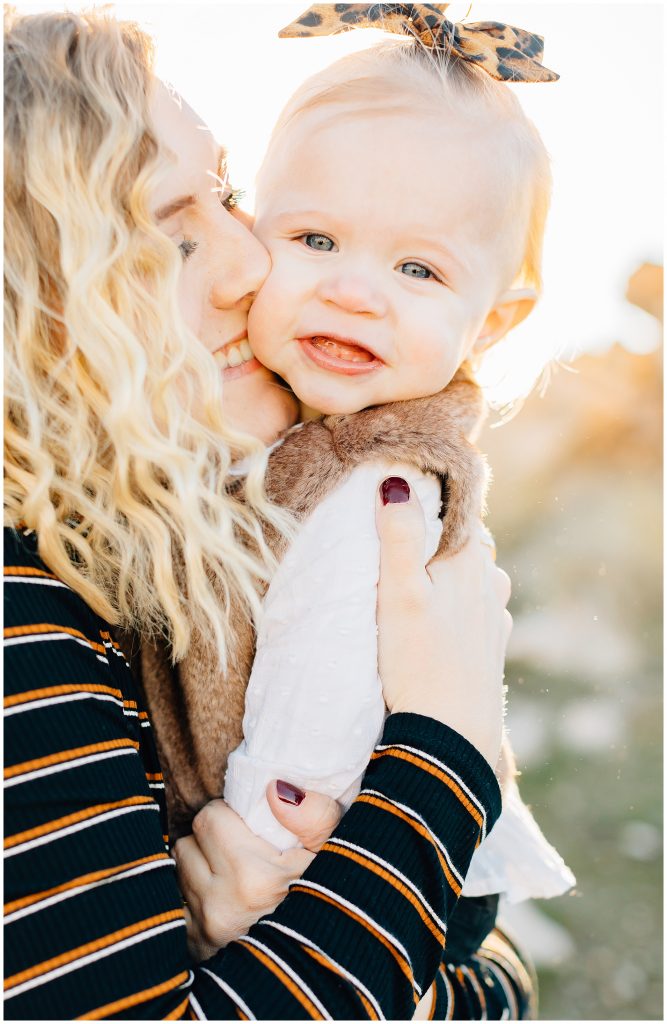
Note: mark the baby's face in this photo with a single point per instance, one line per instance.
(383, 231)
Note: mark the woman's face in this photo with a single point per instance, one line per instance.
(223, 265)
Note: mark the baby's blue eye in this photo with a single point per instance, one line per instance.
(416, 270)
(321, 242)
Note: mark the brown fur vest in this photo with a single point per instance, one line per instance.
(196, 711)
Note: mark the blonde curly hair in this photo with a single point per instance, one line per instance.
(116, 449)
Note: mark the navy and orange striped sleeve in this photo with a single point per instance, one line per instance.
(94, 925)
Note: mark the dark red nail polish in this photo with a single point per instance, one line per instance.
(289, 794)
(395, 490)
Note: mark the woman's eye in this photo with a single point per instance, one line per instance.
(417, 270)
(231, 197)
(187, 247)
(321, 242)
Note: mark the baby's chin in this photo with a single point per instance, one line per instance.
(330, 405)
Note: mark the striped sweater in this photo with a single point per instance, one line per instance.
(94, 921)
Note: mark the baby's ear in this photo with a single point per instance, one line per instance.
(510, 309)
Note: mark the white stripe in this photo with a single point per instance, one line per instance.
(346, 974)
(62, 698)
(60, 833)
(156, 785)
(60, 896)
(196, 1007)
(392, 871)
(116, 651)
(188, 981)
(413, 814)
(246, 939)
(39, 773)
(231, 993)
(476, 987)
(130, 713)
(450, 993)
(10, 641)
(497, 974)
(36, 579)
(90, 958)
(337, 898)
(145, 724)
(448, 771)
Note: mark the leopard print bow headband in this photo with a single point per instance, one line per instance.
(506, 53)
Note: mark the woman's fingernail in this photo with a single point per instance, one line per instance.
(395, 490)
(289, 794)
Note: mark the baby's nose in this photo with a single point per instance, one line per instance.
(355, 293)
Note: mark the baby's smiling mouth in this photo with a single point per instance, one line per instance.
(340, 355)
(342, 349)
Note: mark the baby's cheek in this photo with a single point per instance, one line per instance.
(264, 332)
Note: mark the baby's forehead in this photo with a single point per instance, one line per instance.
(431, 149)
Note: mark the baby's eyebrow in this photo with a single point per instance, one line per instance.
(433, 243)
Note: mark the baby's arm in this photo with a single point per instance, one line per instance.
(314, 706)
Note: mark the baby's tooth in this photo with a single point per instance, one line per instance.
(246, 351)
(221, 360)
(234, 357)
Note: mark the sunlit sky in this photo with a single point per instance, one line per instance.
(601, 123)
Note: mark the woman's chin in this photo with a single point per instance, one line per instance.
(260, 404)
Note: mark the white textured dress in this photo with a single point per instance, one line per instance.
(314, 707)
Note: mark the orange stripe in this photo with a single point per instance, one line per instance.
(179, 1011)
(107, 636)
(327, 963)
(28, 570)
(300, 996)
(154, 776)
(405, 755)
(131, 704)
(478, 990)
(418, 827)
(72, 819)
(93, 876)
(400, 959)
(396, 883)
(35, 629)
(56, 691)
(434, 1002)
(134, 1000)
(92, 947)
(143, 715)
(67, 755)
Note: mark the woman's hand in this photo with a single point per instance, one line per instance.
(230, 877)
(443, 630)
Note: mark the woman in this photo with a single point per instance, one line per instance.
(125, 272)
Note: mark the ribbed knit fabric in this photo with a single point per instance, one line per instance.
(94, 921)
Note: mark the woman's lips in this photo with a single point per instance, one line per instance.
(236, 359)
(339, 355)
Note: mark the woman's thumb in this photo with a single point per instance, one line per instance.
(310, 816)
(401, 527)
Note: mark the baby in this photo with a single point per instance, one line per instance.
(402, 200)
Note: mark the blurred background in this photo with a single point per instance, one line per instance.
(576, 501)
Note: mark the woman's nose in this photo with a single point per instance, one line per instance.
(241, 267)
(355, 292)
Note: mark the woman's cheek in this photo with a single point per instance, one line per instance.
(189, 300)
